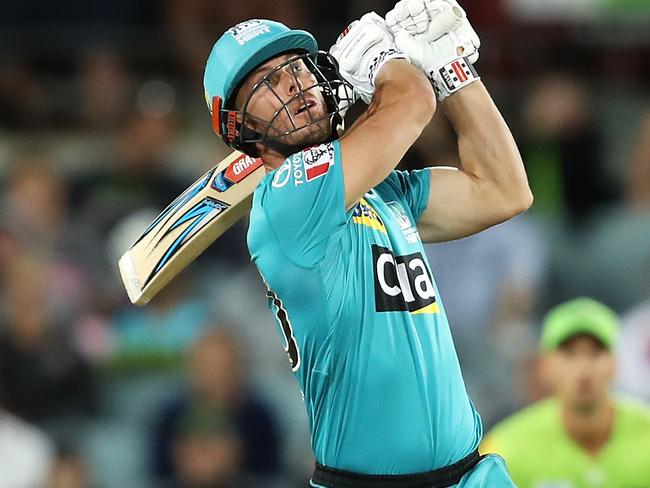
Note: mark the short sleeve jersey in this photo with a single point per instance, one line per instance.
(540, 454)
(361, 317)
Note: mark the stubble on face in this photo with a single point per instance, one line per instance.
(271, 109)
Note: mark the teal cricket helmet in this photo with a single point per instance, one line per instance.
(242, 48)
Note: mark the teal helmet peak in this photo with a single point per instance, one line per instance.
(245, 46)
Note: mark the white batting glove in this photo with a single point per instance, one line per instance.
(439, 40)
(426, 20)
(362, 49)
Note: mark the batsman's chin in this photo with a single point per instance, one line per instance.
(309, 134)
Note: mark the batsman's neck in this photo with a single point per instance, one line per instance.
(272, 159)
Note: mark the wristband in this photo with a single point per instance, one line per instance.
(452, 76)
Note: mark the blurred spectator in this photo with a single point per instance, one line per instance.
(634, 352)
(194, 24)
(490, 283)
(24, 103)
(159, 335)
(34, 200)
(563, 151)
(35, 221)
(638, 177)
(105, 89)
(134, 177)
(69, 471)
(42, 376)
(218, 388)
(26, 454)
(206, 452)
(36, 214)
(494, 279)
(581, 436)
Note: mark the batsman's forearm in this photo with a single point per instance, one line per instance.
(486, 147)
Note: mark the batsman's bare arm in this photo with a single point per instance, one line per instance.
(402, 106)
(490, 186)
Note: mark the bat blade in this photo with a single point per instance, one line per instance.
(189, 224)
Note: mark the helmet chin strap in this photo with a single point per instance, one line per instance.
(336, 123)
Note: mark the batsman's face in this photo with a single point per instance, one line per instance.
(289, 99)
(580, 372)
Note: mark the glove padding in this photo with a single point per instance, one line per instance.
(439, 40)
(429, 20)
(362, 49)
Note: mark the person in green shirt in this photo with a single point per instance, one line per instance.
(582, 436)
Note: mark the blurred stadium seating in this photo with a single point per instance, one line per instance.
(102, 122)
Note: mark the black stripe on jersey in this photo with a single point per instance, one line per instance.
(281, 314)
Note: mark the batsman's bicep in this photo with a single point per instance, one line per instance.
(371, 151)
(459, 205)
(401, 107)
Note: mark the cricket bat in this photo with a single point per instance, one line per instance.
(189, 225)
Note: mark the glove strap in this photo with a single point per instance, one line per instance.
(381, 59)
(452, 76)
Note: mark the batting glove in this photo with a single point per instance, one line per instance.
(439, 39)
(362, 49)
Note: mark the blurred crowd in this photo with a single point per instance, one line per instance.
(102, 123)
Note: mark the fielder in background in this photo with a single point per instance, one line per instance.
(582, 436)
(337, 233)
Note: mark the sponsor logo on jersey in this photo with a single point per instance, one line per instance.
(409, 230)
(282, 175)
(317, 160)
(250, 29)
(364, 214)
(297, 169)
(402, 283)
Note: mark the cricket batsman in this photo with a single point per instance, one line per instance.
(337, 233)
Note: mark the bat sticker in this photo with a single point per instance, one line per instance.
(195, 218)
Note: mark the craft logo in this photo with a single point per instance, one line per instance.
(402, 283)
(317, 160)
(364, 214)
(245, 31)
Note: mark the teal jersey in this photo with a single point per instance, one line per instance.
(361, 317)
